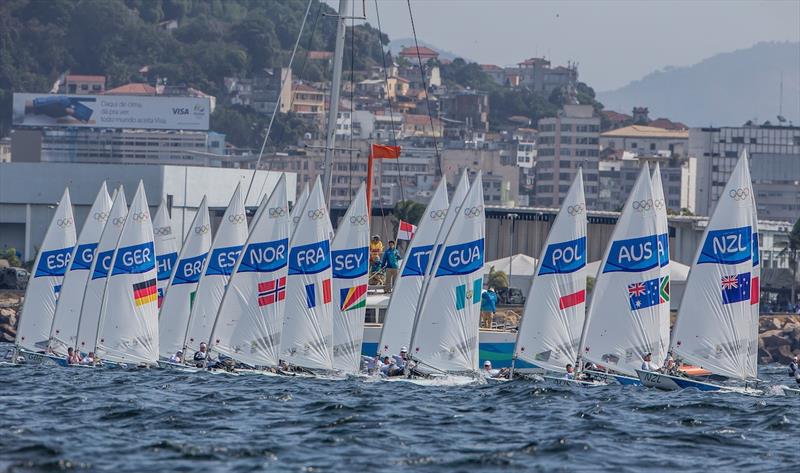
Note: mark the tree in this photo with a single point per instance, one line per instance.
(407, 211)
(496, 279)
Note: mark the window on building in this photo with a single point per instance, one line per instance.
(634, 145)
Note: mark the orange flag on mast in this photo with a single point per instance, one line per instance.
(385, 152)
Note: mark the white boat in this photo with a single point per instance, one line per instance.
(629, 313)
(445, 335)
(64, 331)
(403, 304)
(41, 295)
(89, 318)
(225, 251)
(307, 338)
(350, 270)
(250, 319)
(128, 330)
(553, 318)
(716, 327)
(167, 244)
(173, 317)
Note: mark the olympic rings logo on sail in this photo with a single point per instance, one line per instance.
(100, 216)
(64, 222)
(438, 214)
(276, 212)
(473, 211)
(201, 229)
(117, 221)
(642, 205)
(575, 209)
(296, 219)
(316, 214)
(658, 203)
(358, 219)
(739, 193)
(237, 219)
(162, 231)
(140, 216)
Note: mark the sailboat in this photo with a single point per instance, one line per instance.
(306, 341)
(248, 326)
(444, 340)
(228, 242)
(297, 209)
(128, 329)
(625, 319)
(550, 329)
(93, 295)
(399, 320)
(167, 245)
(350, 260)
(41, 295)
(64, 332)
(177, 305)
(717, 325)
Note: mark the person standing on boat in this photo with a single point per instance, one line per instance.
(488, 307)
(375, 253)
(647, 363)
(391, 264)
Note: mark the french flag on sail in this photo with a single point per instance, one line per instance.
(736, 288)
(312, 293)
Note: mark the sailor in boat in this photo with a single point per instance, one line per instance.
(586, 374)
(389, 368)
(647, 363)
(177, 357)
(72, 357)
(201, 357)
(402, 359)
(89, 359)
(793, 366)
(570, 374)
(489, 372)
(670, 367)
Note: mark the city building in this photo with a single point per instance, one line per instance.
(261, 93)
(379, 128)
(618, 176)
(414, 176)
(308, 101)
(420, 126)
(566, 142)
(538, 75)
(83, 85)
(500, 172)
(468, 110)
(5, 149)
(646, 140)
(774, 166)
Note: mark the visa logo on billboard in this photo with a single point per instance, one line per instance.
(189, 270)
(633, 255)
(264, 257)
(728, 246)
(135, 259)
(223, 260)
(350, 263)
(84, 256)
(465, 258)
(180, 111)
(565, 257)
(310, 259)
(54, 262)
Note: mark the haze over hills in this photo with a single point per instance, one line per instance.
(725, 89)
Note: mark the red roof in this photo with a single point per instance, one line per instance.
(491, 67)
(425, 53)
(320, 54)
(424, 120)
(668, 124)
(305, 88)
(82, 78)
(616, 117)
(132, 89)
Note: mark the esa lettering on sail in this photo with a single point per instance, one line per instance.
(727, 246)
(465, 258)
(564, 257)
(54, 262)
(633, 255)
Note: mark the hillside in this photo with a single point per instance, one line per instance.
(725, 89)
(39, 40)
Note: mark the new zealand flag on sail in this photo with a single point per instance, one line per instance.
(735, 288)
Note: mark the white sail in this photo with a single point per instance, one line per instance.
(716, 327)
(250, 319)
(297, 209)
(167, 246)
(308, 323)
(179, 299)
(227, 246)
(93, 295)
(662, 227)
(755, 279)
(445, 335)
(64, 333)
(44, 285)
(554, 314)
(350, 260)
(399, 320)
(624, 322)
(128, 329)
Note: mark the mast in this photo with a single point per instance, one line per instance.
(333, 112)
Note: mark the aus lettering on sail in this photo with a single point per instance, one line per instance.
(54, 262)
(265, 257)
(223, 260)
(350, 263)
(189, 270)
(728, 246)
(564, 257)
(465, 258)
(310, 259)
(135, 259)
(635, 255)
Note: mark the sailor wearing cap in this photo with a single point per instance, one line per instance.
(647, 363)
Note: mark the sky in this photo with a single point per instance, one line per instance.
(613, 42)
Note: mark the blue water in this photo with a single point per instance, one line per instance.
(99, 420)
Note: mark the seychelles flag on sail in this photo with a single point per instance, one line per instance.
(735, 288)
(311, 293)
(473, 295)
(353, 297)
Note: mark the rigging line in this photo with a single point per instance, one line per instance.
(278, 101)
(389, 99)
(425, 87)
(352, 89)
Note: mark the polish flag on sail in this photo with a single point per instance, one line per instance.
(406, 231)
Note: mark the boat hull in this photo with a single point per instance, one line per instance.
(42, 359)
(667, 382)
(616, 378)
(791, 392)
(560, 381)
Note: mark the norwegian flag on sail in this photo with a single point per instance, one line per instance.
(406, 231)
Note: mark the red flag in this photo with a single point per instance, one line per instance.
(573, 299)
(385, 152)
(406, 231)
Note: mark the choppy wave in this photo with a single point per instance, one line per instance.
(94, 420)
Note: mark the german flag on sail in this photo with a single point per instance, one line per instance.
(145, 292)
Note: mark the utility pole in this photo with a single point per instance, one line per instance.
(333, 112)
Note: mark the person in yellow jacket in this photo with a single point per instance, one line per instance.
(375, 254)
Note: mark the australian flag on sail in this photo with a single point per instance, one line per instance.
(735, 288)
(644, 294)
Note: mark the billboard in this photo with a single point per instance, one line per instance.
(111, 111)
